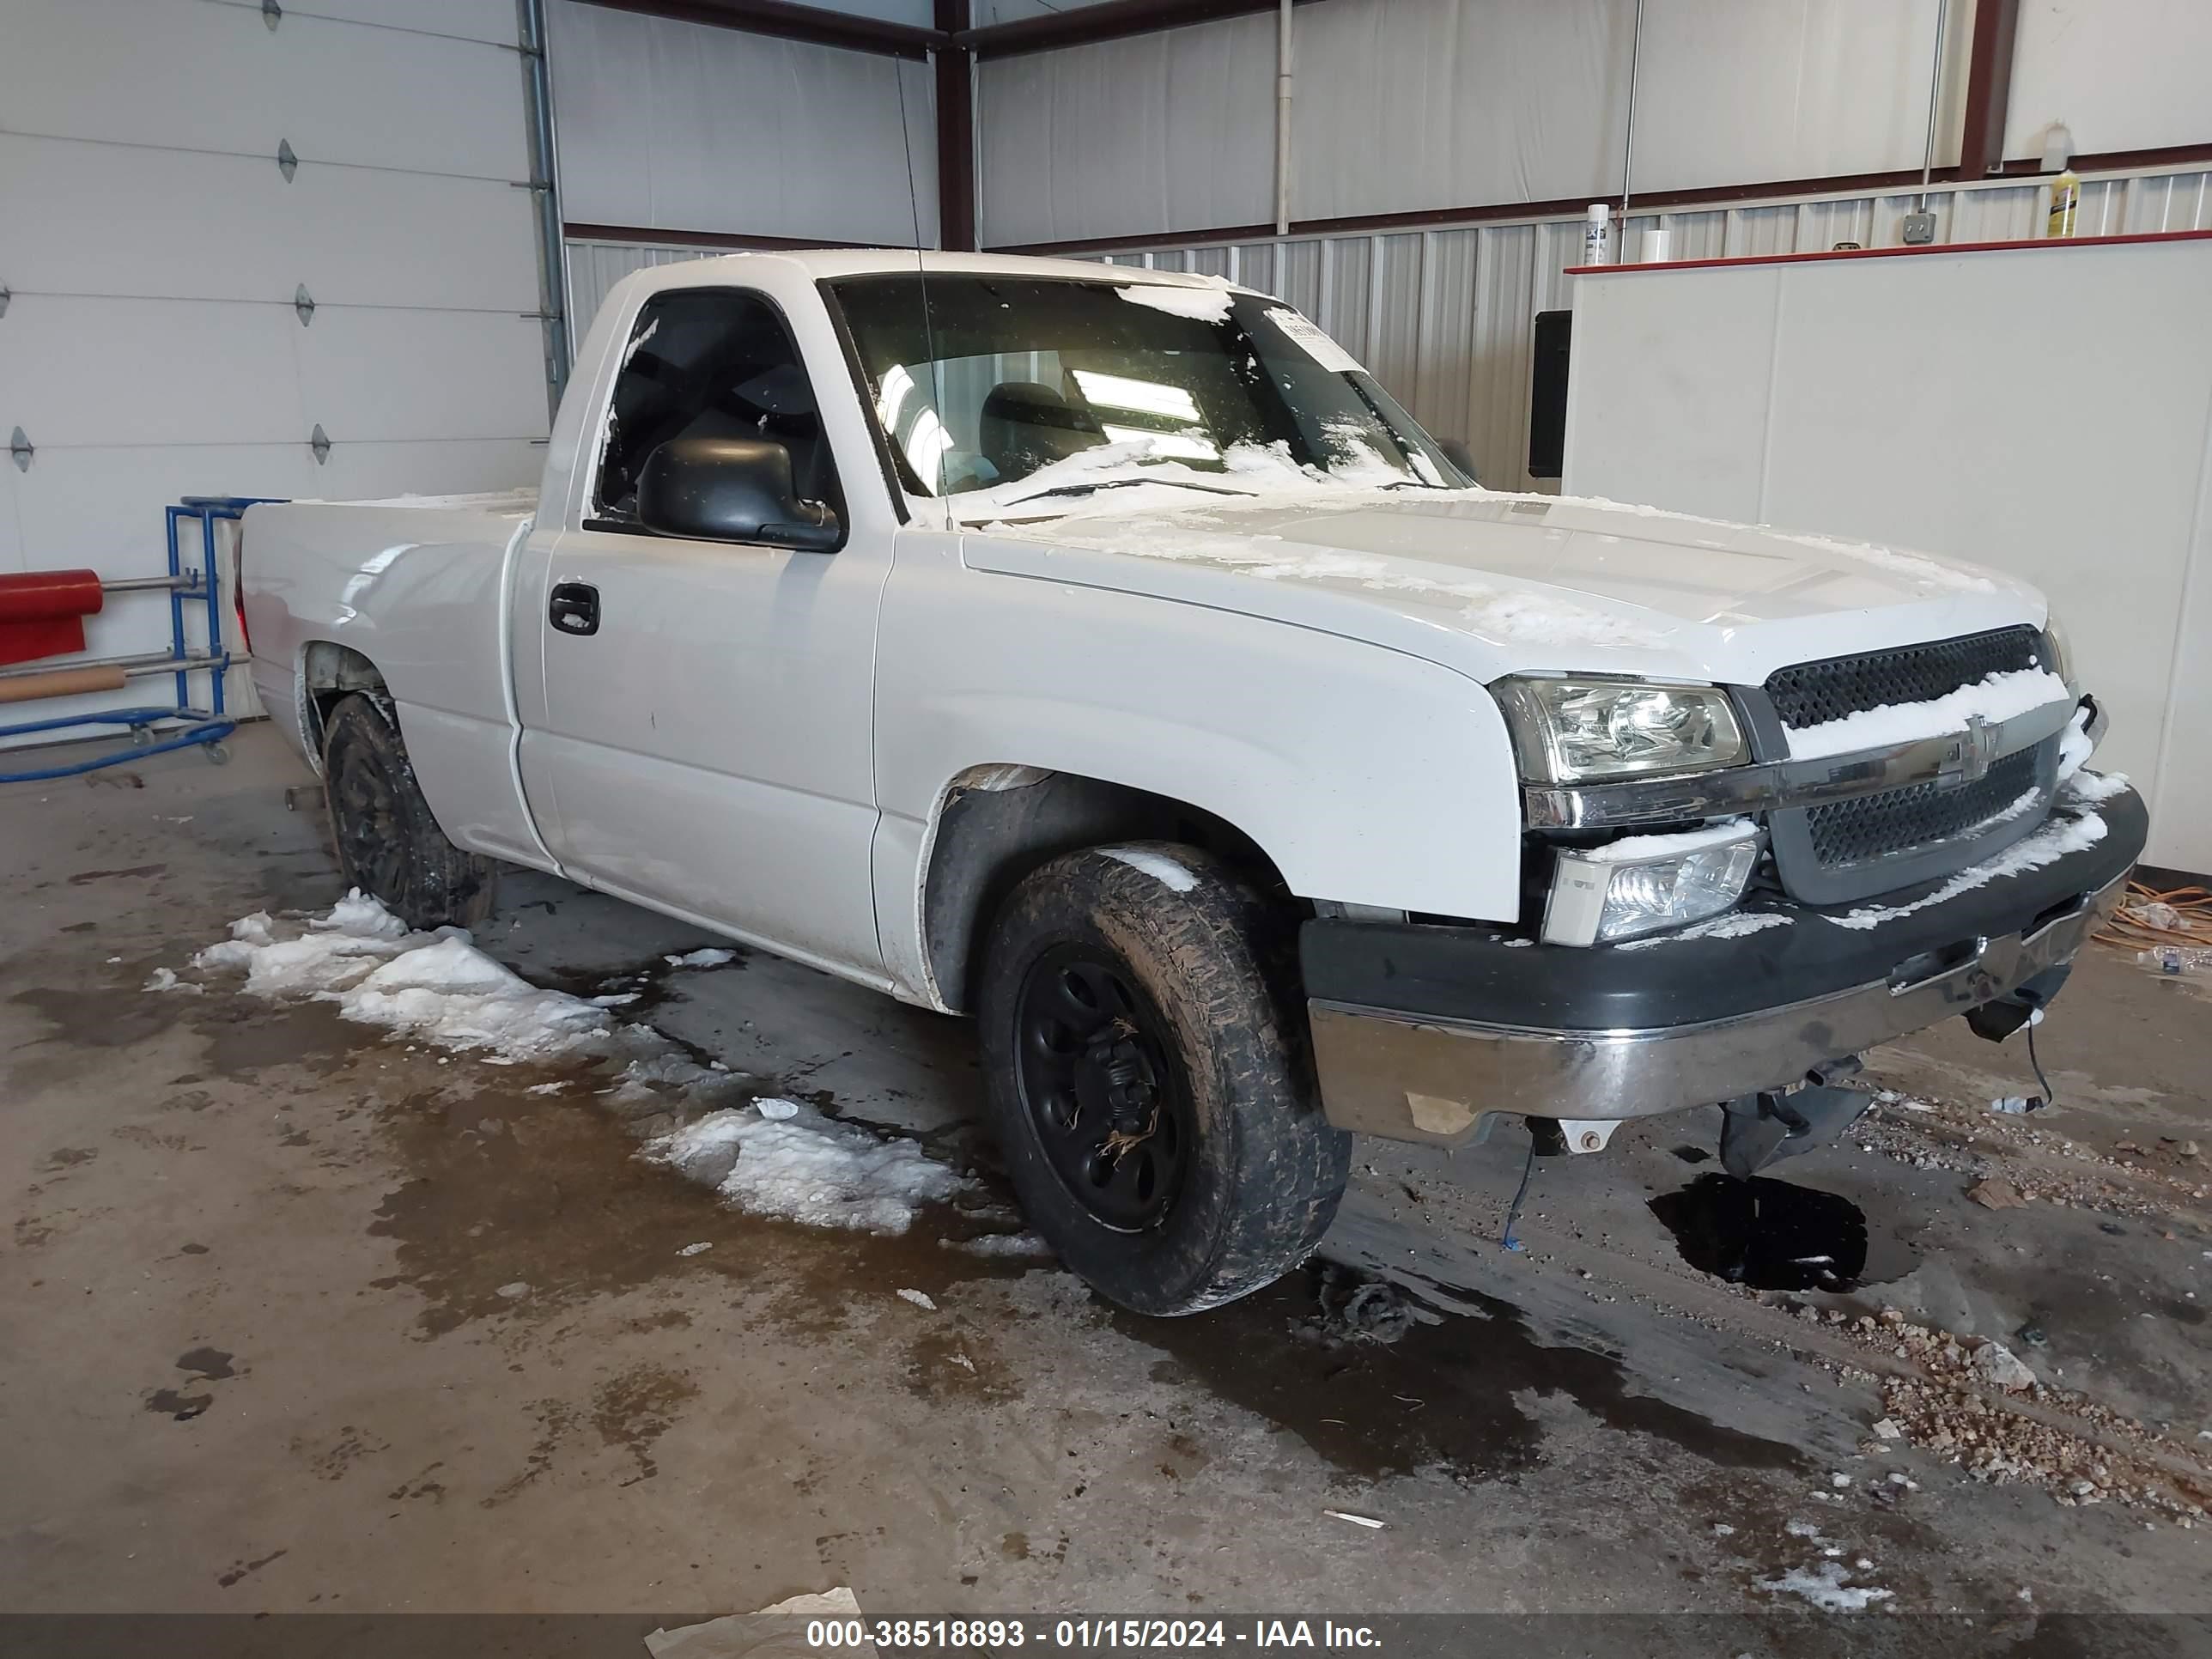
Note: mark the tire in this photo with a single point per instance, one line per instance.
(1160, 961)
(388, 841)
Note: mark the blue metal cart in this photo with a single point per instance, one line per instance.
(206, 726)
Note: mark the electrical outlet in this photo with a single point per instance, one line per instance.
(1919, 228)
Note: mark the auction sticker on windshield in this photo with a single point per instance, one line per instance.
(1315, 344)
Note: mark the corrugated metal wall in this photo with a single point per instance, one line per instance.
(1445, 318)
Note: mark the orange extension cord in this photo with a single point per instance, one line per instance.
(2128, 929)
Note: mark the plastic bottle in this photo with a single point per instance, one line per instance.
(2065, 202)
(1597, 235)
(2177, 958)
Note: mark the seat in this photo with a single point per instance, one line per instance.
(1025, 425)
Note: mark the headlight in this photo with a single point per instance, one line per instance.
(1647, 882)
(2057, 655)
(1568, 730)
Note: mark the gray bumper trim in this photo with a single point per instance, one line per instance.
(1409, 1078)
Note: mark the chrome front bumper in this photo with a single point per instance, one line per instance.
(1412, 1077)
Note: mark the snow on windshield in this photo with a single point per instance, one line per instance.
(1149, 466)
(1001, 379)
(1210, 304)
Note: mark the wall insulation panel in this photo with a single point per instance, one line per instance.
(1125, 138)
(151, 347)
(2122, 75)
(675, 126)
(1408, 105)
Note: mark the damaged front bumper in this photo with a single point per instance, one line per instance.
(1419, 1032)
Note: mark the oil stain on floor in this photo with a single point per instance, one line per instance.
(1439, 1396)
(1773, 1236)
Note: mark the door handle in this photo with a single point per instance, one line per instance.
(573, 608)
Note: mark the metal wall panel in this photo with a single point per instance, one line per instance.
(162, 73)
(360, 373)
(469, 19)
(1445, 318)
(153, 223)
(154, 249)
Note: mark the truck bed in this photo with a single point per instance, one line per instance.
(417, 586)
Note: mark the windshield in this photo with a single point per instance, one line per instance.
(1033, 392)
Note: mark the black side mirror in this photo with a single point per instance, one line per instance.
(1457, 452)
(730, 489)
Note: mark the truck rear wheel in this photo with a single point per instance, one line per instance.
(1150, 1078)
(388, 842)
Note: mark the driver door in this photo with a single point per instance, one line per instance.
(704, 741)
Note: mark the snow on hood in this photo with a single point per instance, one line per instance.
(1486, 581)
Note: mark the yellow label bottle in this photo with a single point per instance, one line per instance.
(2065, 202)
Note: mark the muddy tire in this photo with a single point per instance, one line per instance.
(388, 844)
(1148, 1073)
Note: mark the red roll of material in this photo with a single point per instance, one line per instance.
(42, 613)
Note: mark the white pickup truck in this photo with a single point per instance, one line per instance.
(1103, 653)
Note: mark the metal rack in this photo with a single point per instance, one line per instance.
(206, 726)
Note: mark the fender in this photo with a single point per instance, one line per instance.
(1364, 774)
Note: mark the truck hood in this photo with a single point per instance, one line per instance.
(1494, 584)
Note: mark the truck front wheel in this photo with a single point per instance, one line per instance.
(1149, 1076)
(388, 842)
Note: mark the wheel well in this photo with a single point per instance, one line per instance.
(998, 822)
(328, 672)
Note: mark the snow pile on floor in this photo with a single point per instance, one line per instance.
(773, 1156)
(449, 993)
(706, 956)
(795, 1163)
(437, 986)
(1824, 1587)
(1992, 699)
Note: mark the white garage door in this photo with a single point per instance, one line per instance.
(154, 249)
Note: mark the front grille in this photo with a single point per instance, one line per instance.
(1814, 693)
(1854, 832)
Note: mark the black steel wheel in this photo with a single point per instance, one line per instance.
(1145, 1055)
(387, 841)
(1105, 1094)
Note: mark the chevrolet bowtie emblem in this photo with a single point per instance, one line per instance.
(1971, 761)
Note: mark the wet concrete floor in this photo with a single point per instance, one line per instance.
(303, 1318)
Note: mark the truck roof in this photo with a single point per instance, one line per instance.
(820, 262)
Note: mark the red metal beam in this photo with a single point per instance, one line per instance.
(791, 21)
(714, 239)
(1988, 87)
(1111, 19)
(956, 130)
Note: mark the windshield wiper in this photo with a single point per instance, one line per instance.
(1124, 483)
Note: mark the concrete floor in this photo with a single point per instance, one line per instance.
(260, 1357)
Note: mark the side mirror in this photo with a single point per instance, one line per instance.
(1457, 452)
(730, 489)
